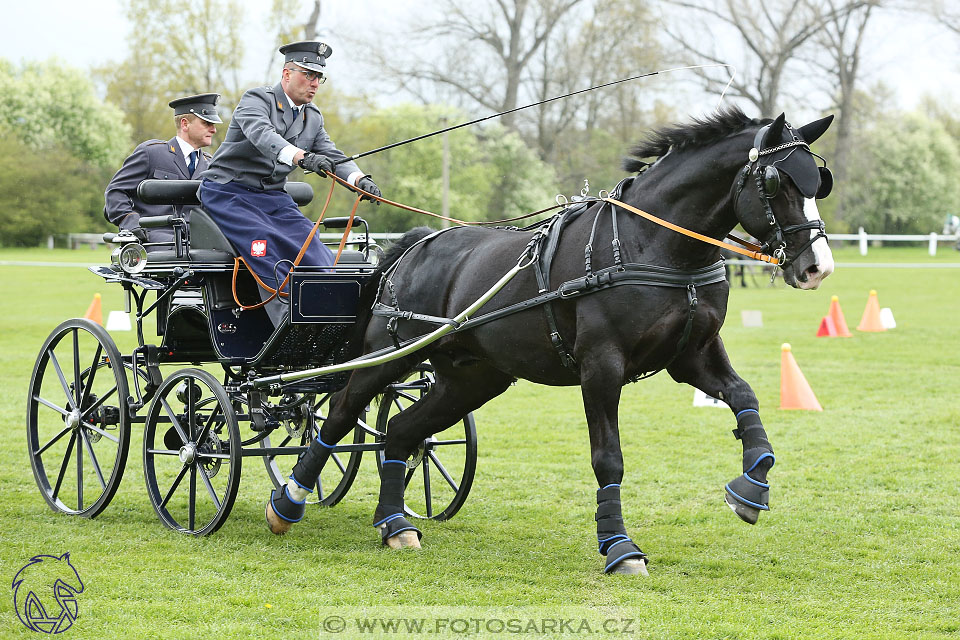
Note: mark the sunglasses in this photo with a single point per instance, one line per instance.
(312, 75)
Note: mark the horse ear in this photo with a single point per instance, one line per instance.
(774, 133)
(812, 131)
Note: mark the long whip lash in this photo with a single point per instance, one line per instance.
(535, 104)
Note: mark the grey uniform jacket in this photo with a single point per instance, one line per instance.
(151, 159)
(262, 125)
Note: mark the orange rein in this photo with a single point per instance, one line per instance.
(752, 250)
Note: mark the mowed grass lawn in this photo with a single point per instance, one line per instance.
(863, 539)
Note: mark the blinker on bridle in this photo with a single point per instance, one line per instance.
(768, 181)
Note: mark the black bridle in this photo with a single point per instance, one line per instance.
(767, 179)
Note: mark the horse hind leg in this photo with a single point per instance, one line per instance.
(287, 505)
(457, 392)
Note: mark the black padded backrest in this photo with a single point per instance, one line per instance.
(205, 234)
(180, 192)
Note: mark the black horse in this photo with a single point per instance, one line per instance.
(708, 176)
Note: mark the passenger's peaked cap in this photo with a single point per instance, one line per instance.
(310, 55)
(204, 106)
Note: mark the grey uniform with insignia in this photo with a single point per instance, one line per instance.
(151, 159)
(263, 124)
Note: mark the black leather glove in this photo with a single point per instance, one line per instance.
(370, 187)
(317, 163)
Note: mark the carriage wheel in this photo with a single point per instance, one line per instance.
(191, 452)
(339, 472)
(78, 427)
(440, 471)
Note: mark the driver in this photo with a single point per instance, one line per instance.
(273, 130)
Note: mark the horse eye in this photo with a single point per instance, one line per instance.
(771, 181)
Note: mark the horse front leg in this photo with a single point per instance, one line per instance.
(710, 371)
(600, 385)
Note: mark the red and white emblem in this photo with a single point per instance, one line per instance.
(258, 248)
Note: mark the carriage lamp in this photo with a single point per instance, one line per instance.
(131, 257)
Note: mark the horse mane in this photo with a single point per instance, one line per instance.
(698, 133)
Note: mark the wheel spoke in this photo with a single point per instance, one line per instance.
(63, 466)
(174, 420)
(47, 403)
(213, 494)
(443, 443)
(426, 487)
(191, 415)
(443, 471)
(202, 437)
(192, 518)
(103, 433)
(49, 444)
(76, 367)
(338, 462)
(409, 477)
(163, 452)
(398, 404)
(407, 396)
(63, 381)
(218, 456)
(79, 472)
(173, 487)
(93, 374)
(96, 405)
(93, 459)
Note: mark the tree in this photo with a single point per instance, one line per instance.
(489, 49)
(903, 179)
(770, 34)
(493, 174)
(50, 105)
(204, 56)
(840, 49)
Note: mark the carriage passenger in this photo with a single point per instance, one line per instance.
(179, 158)
(273, 130)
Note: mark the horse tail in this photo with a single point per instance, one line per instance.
(370, 289)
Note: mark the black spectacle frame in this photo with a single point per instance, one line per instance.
(311, 75)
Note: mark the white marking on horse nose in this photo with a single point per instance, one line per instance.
(821, 250)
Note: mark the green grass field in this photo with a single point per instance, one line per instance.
(863, 539)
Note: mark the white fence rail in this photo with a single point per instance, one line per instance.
(864, 239)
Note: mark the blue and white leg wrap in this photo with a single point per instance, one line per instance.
(612, 537)
(309, 465)
(286, 507)
(389, 516)
(751, 489)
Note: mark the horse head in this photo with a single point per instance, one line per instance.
(775, 199)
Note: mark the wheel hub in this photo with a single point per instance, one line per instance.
(188, 453)
(72, 419)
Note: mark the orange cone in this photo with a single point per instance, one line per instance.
(827, 328)
(795, 393)
(94, 311)
(871, 315)
(836, 314)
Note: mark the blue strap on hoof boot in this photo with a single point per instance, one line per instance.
(286, 507)
(619, 551)
(394, 524)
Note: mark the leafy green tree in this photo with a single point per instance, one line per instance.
(493, 174)
(50, 104)
(203, 53)
(904, 178)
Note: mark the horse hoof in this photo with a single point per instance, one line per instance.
(631, 567)
(745, 512)
(404, 540)
(277, 525)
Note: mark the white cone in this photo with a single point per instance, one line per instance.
(118, 321)
(886, 318)
(700, 399)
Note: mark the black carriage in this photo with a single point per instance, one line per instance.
(200, 422)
